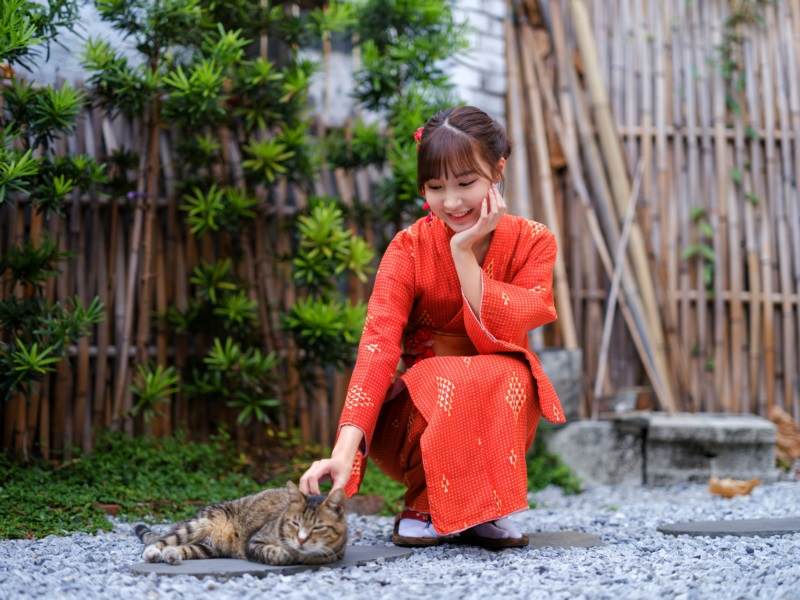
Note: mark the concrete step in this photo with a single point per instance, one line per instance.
(663, 449)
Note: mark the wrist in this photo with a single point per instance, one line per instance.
(347, 445)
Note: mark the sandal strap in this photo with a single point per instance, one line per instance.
(414, 514)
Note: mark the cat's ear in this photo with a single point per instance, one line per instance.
(336, 500)
(294, 493)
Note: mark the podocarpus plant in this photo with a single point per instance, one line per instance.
(326, 327)
(36, 330)
(404, 47)
(205, 75)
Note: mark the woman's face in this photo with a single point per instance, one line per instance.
(456, 200)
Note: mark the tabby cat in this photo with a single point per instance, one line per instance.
(276, 527)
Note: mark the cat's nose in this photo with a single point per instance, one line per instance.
(302, 536)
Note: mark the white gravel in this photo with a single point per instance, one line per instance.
(637, 562)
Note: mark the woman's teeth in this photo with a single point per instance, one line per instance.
(461, 214)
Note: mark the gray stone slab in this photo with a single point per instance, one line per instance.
(354, 556)
(739, 527)
(600, 452)
(564, 539)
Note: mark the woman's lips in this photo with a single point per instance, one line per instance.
(460, 216)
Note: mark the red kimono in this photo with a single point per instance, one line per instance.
(456, 425)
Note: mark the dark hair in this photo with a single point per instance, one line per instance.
(455, 138)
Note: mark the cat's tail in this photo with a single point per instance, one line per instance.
(147, 535)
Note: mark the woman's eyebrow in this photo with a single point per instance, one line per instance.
(465, 173)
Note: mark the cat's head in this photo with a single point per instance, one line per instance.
(314, 524)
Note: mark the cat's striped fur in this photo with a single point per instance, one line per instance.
(275, 527)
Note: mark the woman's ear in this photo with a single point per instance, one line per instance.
(498, 169)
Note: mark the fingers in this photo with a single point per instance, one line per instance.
(309, 482)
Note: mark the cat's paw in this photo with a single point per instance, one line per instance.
(152, 554)
(171, 555)
(276, 555)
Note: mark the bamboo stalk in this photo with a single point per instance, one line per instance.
(784, 200)
(621, 187)
(753, 186)
(767, 234)
(126, 304)
(611, 305)
(562, 292)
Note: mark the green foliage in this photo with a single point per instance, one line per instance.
(35, 334)
(326, 249)
(153, 387)
(245, 378)
(403, 42)
(327, 331)
(24, 25)
(546, 469)
(148, 478)
(702, 249)
(325, 327)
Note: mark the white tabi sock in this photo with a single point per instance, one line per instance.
(412, 528)
(500, 529)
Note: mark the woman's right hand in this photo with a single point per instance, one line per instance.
(338, 467)
(329, 469)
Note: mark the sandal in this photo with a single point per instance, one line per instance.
(469, 537)
(413, 542)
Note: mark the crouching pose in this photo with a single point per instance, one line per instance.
(445, 396)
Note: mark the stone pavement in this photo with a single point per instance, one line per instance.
(737, 527)
(355, 556)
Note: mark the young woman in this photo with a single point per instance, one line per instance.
(454, 298)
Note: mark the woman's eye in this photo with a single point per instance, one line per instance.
(467, 183)
(434, 187)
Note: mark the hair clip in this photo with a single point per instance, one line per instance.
(418, 136)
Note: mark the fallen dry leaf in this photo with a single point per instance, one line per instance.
(731, 487)
(787, 444)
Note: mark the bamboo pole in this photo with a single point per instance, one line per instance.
(782, 202)
(767, 234)
(124, 341)
(630, 304)
(562, 292)
(611, 304)
(755, 188)
(621, 187)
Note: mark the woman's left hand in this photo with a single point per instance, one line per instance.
(493, 208)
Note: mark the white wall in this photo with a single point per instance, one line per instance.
(479, 75)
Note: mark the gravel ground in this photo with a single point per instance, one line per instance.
(637, 562)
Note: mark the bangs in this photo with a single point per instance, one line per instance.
(448, 153)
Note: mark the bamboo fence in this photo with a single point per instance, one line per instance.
(709, 286)
(596, 89)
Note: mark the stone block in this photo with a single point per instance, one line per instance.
(693, 447)
(491, 45)
(600, 452)
(564, 368)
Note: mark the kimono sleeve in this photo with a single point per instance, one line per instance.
(380, 347)
(510, 309)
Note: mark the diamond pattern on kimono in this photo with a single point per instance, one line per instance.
(425, 319)
(535, 228)
(489, 269)
(498, 501)
(467, 360)
(357, 398)
(445, 389)
(539, 289)
(445, 483)
(512, 458)
(515, 396)
(373, 348)
(505, 298)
